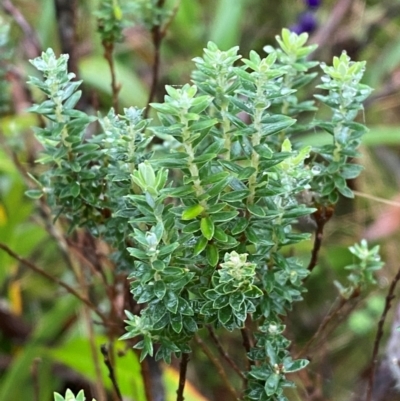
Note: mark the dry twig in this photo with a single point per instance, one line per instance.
(115, 87)
(32, 44)
(218, 366)
(224, 354)
(321, 216)
(55, 280)
(379, 335)
(157, 34)
(111, 373)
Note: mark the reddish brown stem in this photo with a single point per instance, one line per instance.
(115, 87)
(111, 373)
(321, 216)
(146, 376)
(182, 377)
(157, 34)
(246, 339)
(247, 344)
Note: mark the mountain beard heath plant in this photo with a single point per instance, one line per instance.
(203, 222)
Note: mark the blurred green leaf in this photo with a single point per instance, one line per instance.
(127, 367)
(95, 72)
(386, 62)
(225, 28)
(48, 327)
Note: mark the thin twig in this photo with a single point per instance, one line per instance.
(311, 387)
(111, 373)
(321, 216)
(32, 44)
(341, 316)
(44, 210)
(379, 334)
(79, 252)
(327, 319)
(218, 366)
(98, 383)
(326, 31)
(157, 35)
(55, 280)
(115, 87)
(224, 354)
(377, 198)
(246, 339)
(182, 377)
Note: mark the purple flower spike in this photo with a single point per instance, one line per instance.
(312, 3)
(307, 22)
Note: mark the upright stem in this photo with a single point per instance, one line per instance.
(147, 382)
(107, 355)
(321, 216)
(194, 171)
(115, 87)
(285, 104)
(182, 377)
(157, 35)
(226, 126)
(255, 157)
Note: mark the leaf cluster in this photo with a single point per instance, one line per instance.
(110, 21)
(69, 396)
(367, 262)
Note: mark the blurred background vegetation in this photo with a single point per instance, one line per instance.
(46, 343)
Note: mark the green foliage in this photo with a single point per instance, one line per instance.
(345, 97)
(126, 365)
(368, 261)
(201, 221)
(149, 13)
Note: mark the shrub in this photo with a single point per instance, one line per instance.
(202, 220)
